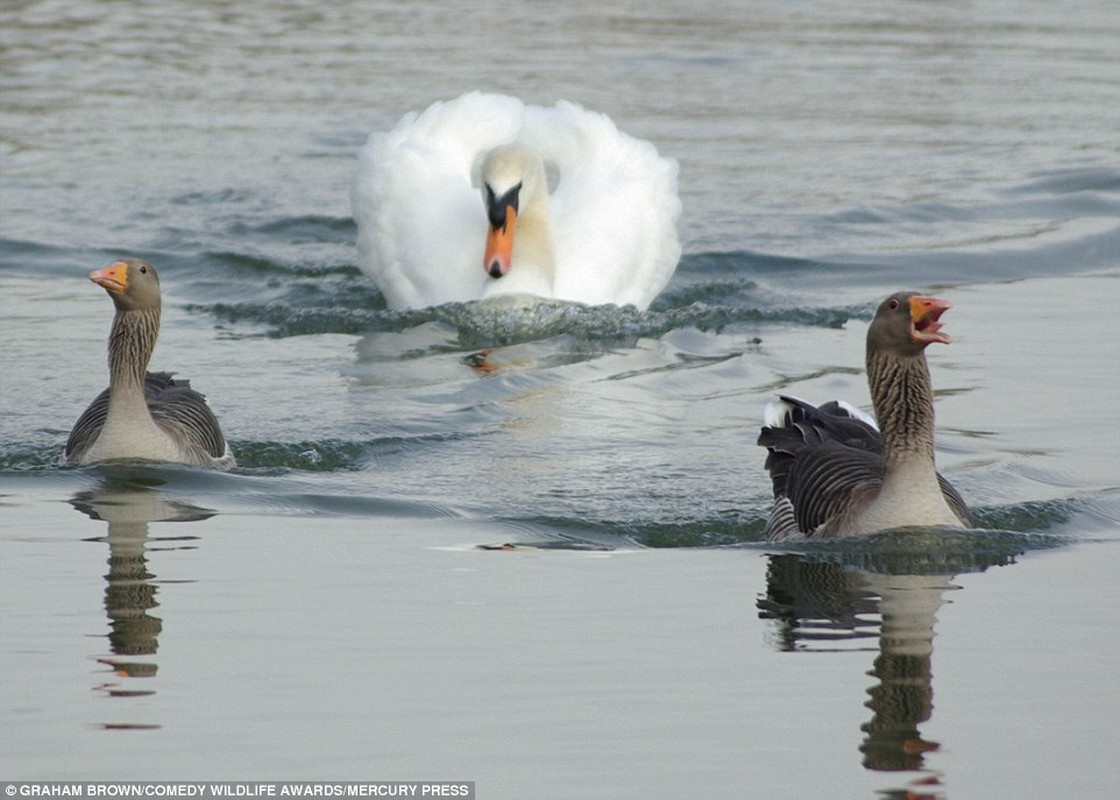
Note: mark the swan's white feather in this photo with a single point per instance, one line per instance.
(422, 225)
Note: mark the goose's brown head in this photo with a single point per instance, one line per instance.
(906, 322)
(133, 284)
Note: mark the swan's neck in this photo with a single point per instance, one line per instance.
(131, 342)
(903, 398)
(534, 243)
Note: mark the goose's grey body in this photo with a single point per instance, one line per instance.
(143, 415)
(835, 473)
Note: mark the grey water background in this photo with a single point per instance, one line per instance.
(344, 605)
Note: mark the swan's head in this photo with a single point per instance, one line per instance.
(906, 322)
(133, 284)
(513, 183)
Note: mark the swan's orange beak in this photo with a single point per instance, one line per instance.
(925, 316)
(114, 278)
(499, 245)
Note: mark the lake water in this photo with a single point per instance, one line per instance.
(343, 606)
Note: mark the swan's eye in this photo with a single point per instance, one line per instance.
(894, 302)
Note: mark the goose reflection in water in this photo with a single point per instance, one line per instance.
(890, 589)
(128, 500)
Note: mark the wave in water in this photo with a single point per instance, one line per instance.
(712, 291)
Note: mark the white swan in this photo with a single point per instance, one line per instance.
(607, 233)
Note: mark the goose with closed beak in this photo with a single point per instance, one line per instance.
(143, 415)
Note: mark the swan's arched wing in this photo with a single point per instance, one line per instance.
(614, 209)
(417, 204)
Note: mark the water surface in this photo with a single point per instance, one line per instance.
(546, 576)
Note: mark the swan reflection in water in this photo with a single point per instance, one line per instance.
(883, 601)
(128, 500)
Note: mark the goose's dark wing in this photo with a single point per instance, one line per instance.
(831, 480)
(175, 407)
(955, 501)
(825, 462)
(87, 428)
(821, 460)
(183, 414)
(794, 425)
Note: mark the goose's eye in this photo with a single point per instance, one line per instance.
(894, 302)
(143, 269)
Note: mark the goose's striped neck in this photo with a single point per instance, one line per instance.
(902, 393)
(131, 342)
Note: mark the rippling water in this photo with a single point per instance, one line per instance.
(329, 599)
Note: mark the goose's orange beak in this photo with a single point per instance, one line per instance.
(114, 278)
(925, 316)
